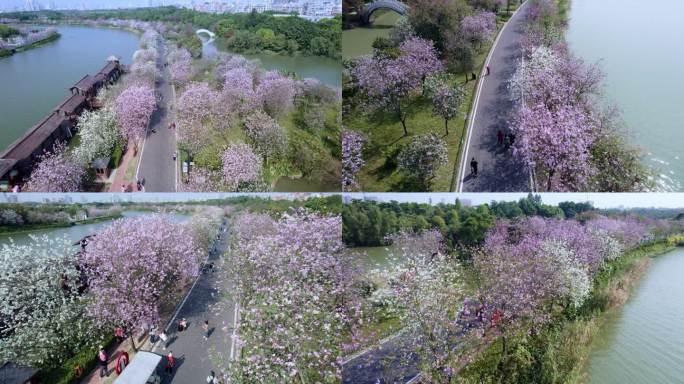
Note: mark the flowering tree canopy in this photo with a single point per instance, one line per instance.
(276, 93)
(98, 133)
(240, 166)
(56, 171)
(388, 82)
(352, 158)
(422, 157)
(556, 144)
(295, 286)
(195, 108)
(447, 96)
(267, 136)
(43, 325)
(134, 107)
(479, 28)
(179, 65)
(136, 264)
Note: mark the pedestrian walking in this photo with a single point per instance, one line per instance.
(163, 337)
(211, 379)
(170, 363)
(473, 167)
(102, 357)
(182, 325)
(499, 137)
(123, 187)
(138, 185)
(205, 326)
(119, 334)
(488, 70)
(174, 156)
(507, 141)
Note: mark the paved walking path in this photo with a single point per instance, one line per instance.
(498, 171)
(194, 353)
(157, 167)
(393, 361)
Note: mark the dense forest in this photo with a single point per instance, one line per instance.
(367, 223)
(243, 32)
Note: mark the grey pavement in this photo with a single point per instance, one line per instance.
(209, 300)
(157, 167)
(498, 170)
(393, 361)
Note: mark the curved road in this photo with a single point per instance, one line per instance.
(498, 170)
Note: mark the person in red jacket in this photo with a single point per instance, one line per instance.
(170, 363)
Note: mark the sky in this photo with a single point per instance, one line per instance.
(599, 200)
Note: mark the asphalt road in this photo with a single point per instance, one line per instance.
(196, 356)
(157, 168)
(391, 362)
(498, 170)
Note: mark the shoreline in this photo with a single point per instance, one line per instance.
(36, 227)
(36, 44)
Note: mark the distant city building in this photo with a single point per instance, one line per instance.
(309, 9)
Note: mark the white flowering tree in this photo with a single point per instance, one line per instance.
(98, 133)
(42, 318)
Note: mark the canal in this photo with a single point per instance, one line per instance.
(643, 343)
(34, 82)
(77, 232)
(639, 46)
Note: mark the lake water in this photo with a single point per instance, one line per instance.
(76, 232)
(639, 46)
(34, 82)
(326, 70)
(643, 343)
(359, 41)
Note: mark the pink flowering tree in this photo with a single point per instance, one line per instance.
(276, 93)
(195, 109)
(136, 265)
(241, 167)
(134, 107)
(446, 95)
(56, 171)
(296, 290)
(555, 144)
(180, 62)
(352, 158)
(479, 28)
(267, 136)
(388, 83)
(238, 89)
(422, 158)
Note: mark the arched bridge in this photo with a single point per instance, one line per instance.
(212, 35)
(392, 5)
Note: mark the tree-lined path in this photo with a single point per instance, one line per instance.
(157, 167)
(498, 170)
(206, 302)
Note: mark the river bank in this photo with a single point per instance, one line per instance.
(35, 44)
(34, 227)
(559, 352)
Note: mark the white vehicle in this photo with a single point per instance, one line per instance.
(142, 370)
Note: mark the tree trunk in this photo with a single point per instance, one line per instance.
(132, 337)
(548, 181)
(446, 126)
(403, 124)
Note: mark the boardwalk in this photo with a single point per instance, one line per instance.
(157, 167)
(192, 352)
(498, 171)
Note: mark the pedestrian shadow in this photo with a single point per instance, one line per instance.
(210, 332)
(168, 377)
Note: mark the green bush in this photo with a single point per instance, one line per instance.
(65, 373)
